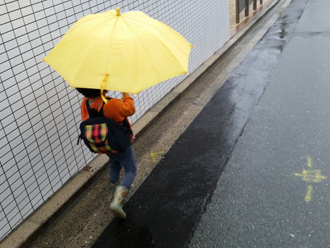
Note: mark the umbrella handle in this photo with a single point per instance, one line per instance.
(103, 86)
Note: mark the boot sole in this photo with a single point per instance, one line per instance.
(118, 212)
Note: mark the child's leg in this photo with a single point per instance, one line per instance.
(114, 169)
(129, 163)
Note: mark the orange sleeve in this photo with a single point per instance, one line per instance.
(83, 109)
(118, 110)
(115, 109)
(128, 109)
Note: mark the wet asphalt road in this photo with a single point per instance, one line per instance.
(274, 191)
(255, 158)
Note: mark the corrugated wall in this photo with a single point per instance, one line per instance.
(40, 115)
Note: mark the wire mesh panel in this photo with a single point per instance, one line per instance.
(40, 115)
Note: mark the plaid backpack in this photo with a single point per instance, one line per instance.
(103, 135)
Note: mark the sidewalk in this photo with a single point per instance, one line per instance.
(47, 213)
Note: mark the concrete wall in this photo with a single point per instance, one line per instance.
(40, 115)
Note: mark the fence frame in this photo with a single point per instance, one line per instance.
(245, 5)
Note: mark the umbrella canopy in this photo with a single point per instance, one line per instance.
(126, 52)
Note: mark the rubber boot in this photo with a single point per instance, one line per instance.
(116, 205)
(113, 187)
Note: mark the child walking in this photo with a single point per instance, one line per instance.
(117, 110)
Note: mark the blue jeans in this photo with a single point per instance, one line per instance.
(119, 160)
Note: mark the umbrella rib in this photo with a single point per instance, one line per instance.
(142, 47)
(130, 64)
(81, 40)
(109, 42)
(133, 20)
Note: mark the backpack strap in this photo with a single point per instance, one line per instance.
(93, 112)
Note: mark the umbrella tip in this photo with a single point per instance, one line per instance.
(118, 11)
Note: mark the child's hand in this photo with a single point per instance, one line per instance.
(124, 95)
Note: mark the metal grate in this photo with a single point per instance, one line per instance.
(40, 115)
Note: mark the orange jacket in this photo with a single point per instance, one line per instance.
(115, 109)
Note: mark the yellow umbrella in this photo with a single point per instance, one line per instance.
(126, 52)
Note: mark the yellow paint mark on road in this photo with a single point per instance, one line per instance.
(311, 176)
(156, 156)
(308, 196)
(309, 162)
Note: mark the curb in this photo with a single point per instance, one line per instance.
(47, 213)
